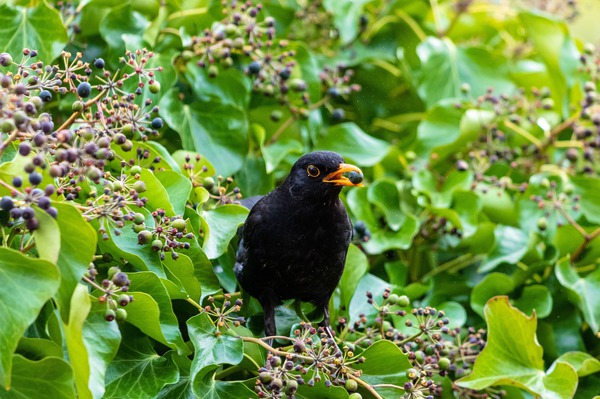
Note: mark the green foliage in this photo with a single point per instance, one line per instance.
(130, 131)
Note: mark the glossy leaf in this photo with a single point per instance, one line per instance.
(585, 292)
(223, 223)
(513, 356)
(584, 363)
(37, 28)
(27, 283)
(356, 267)
(52, 376)
(510, 246)
(352, 142)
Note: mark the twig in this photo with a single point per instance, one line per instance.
(366, 386)
(586, 240)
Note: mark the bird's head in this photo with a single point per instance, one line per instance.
(322, 174)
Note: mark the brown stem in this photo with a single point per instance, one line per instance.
(281, 129)
(76, 114)
(586, 240)
(273, 350)
(366, 386)
(6, 142)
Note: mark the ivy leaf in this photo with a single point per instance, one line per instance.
(584, 363)
(27, 283)
(384, 240)
(351, 141)
(584, 292)
(46, 236)
(78, 246)
(178, 189)
(123, 28)
(152, 312)
(385, 363)
(356, 267)
(51, 376)
(510, 246)
(384, 194)
(492, 285)
(138, 372)
(40, 28)
(206, 387)
(196, 123)
(211, 348)
(182, 270)
(513, 356)
(182, 388)
(223, 223)
(159, 197)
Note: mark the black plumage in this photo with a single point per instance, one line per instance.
(294, 242)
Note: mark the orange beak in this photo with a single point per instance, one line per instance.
(337, 177)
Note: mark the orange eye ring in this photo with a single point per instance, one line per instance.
(313, 171)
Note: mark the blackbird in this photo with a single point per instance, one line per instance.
(294, 242)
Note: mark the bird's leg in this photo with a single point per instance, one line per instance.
(269, 315)
(325, 324)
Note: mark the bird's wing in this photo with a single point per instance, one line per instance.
(245, 232)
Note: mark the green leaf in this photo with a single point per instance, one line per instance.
(384, 240)
(513, 356)
(384, 194)
(197, 123)
(446, 67)
(102, 341)
(585, 292)
(535, 298)
(440, 127)
(490, 286)
(223, 223)
(50, 377)
(138, 372)
(178, 189)
(358, 303)
(40, 28)
(385, 363)
(584, 363)
(356, 267)
(122, 28)
(27, 283)
(510, 246)
(78, 354)
(47, 236)
(346, 14)
(425, 182)
(588, 189)
(181, 389)
(211, 347)
(151, 311)
(206, 387)
(157, 194)
(351, 141)
(77, 248)
(182, 270)
(553, 44)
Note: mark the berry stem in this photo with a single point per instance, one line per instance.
(586, 240)
(92, 283)
(281, 129)
(411, 338)
(273, 350)
(523, 133)
(195, 304)
(366, 386)
(8, 140)
(76, 114)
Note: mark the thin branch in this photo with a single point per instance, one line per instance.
(586, 240)
(365, 385)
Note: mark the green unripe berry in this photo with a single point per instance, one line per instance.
(117, 185)
(545, 183)
(144, 236)
(393, 299)
(77, 106)
(5, 59)
(355, 395)
(542, 223)
(351, 385)
(411, 374)
(208, 183)
(265, 377)
(178, 224)
(127, 130)
(121, 314)
(276, 115)
(123, 300)
(139, 186)
(109, 315)
(444, 363)
(20, 117)
(157, 245)
(298, 85)
(112, 271)
(154, 87)
(277, 384)
(403, 301)
(139, 227)
(8, 125)
(135, 170)
(139, 218)
(291, 386)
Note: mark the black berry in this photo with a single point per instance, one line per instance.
(99, 63)
(35, 178)
(254, 67)
(46, 96)
(157, 123)
(7, 203)
(84, 89)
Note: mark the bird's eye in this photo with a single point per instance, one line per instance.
(313, 171)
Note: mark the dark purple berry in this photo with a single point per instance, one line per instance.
(254, 67)
(49, 190)
(47, 127)
(99, 63)
(285, 73)
(44, 202)
(120, 279)
(17, 181)
(16, 213)
(157, 123)
(24, 149)
(46, 96)
(462, 165)
(338, 114)
(6, 203)
(32, 224)
(28, 213)
(39, 139)
(84, 89)
(35, 178)
(52, 211)
(109, 315)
